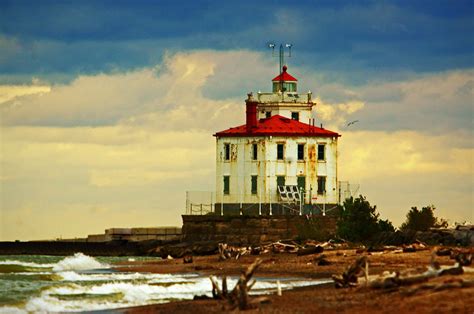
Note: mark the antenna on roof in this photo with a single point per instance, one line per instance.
(282, 59)
(272, 46)
(282, 53)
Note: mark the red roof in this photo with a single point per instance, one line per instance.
(278, 126)
(284, 76)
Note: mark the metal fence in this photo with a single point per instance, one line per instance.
(200, 202)
(206, 202)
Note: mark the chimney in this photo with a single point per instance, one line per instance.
(251, 111)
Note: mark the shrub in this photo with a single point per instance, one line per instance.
(359, 221)
(422, 220)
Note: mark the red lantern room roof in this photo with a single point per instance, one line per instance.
(277, 126)
(285, 76)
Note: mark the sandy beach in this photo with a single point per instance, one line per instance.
(323, 298)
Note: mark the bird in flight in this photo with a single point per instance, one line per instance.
(352, 122)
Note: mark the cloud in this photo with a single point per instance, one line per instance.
(170, 97)
(368, 154)
(370, 39)
(434, 103)
(10, 92)
(128, 145)
(337, 114)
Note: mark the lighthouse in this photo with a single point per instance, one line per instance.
(279, 161)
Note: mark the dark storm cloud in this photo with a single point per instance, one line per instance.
(343, 39)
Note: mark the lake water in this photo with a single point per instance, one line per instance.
(38, 283)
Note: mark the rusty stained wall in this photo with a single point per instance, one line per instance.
(241, 167)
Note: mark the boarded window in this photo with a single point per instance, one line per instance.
(280, 180)
(280, 151)
(321, 152)
(227, 151)
(295, 116)
(254, 184)
(302, 183)
(268, 114)
(321, 185)
(254, 152)
(226, 184)
(300, 151)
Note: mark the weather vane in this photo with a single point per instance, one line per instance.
(282, 57)
(282, 52)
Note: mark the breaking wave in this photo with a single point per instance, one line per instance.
(78, 262)
(81, 283)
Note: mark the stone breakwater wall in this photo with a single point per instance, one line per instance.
(247, 230)
(114, 248)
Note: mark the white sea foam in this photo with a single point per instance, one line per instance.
(78, 261)
(11, 310)
(26, 264)
(109, 290)
(152, 278)
(134, 294)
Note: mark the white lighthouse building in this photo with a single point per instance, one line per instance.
(278, 162)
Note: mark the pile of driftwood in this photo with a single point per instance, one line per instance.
(228, 251)
(462, 256)
(406, 279)
(417, 245)
(239, 296)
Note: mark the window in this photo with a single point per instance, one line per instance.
(254, 184)
(280, 180)
(254, 152)
(227, 151)
(226, 184)
(280, 151)
(300, 151)
(321, 185)
(268, 114)
(321, 149)
(295, 116)
(302, 183)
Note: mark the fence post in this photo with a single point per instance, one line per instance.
(270, 200)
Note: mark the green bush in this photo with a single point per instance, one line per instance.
(422, 220)
(359, 221)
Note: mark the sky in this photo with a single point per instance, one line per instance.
(107, 108)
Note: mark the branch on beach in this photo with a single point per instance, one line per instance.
(349, 277)
(227, 252)
(239, 296)
(408, 277)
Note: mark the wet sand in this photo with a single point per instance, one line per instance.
(323, 298)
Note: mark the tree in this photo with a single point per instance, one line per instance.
(422, 220)
(359, 221)
(386, 226)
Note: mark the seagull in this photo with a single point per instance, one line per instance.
(352, 122)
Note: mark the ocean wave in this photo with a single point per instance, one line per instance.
(26, 264)
(73, 276)
(78, 261)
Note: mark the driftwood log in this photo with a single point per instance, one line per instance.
(312, 249)
(321, 260)
(187, 259)
(239, 296)
(349, 277)
(407, 278)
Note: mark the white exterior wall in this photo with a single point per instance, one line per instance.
(241, 167)
(285, 110)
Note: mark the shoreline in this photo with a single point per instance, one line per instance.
(323, 298)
